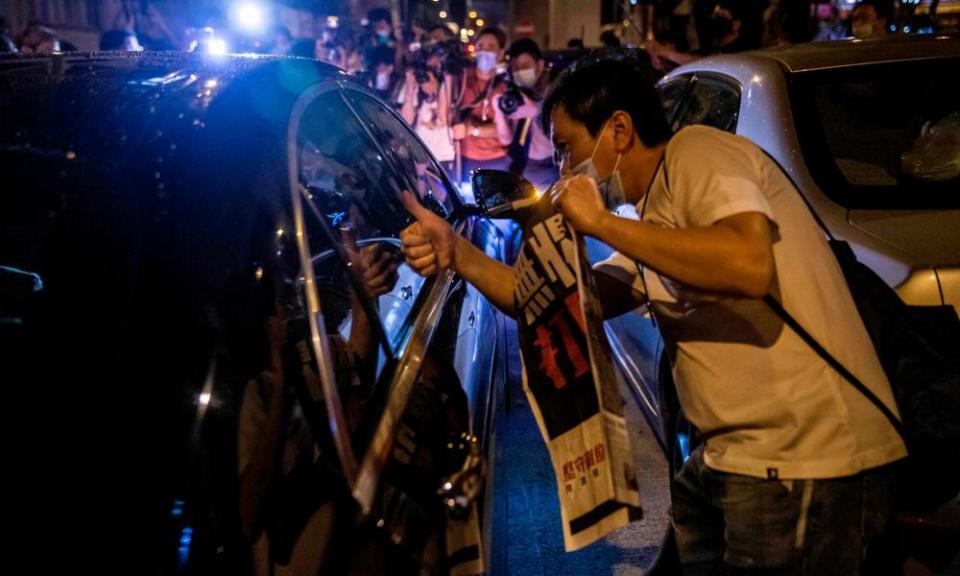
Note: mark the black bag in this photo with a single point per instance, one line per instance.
(918, 348)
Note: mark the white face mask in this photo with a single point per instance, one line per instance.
(382, 81)
(611, 187)
(486, 61)
(526, 77)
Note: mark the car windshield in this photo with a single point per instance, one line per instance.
(882, 136)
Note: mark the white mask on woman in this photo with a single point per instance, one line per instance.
(486, 61)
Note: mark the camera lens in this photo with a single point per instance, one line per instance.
(511, 100)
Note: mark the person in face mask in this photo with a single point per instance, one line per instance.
(529, 147)
(475, 127)
(380, 69)
(720, 228)
(869, 20)
(380, 24)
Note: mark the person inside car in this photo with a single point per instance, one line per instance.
(794, 475)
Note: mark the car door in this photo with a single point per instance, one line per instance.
(471, 332)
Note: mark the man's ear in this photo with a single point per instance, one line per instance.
(623, 132)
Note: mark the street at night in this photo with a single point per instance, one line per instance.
(481, 287)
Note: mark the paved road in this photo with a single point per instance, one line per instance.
(528, 538)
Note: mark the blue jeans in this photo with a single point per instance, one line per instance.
(732, 524)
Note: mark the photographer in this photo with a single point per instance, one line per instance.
(480, 145)
(529, 148)
(381, 73)
(426, 100)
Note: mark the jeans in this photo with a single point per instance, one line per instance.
(732, 524)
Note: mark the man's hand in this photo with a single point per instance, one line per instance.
(430, 243)
(379, 269)
(410, 83)
(578, 199)
(459, 131)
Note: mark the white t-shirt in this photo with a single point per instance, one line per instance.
(767, 405)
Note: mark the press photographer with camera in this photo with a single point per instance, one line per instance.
(426, 101)
(529, 148)
(381, 72)
(480, 145)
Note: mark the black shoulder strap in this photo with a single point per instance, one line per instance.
(789, 320)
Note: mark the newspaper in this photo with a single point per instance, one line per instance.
(569, 379)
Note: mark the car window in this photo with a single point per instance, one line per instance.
(409, 154)
(354, 191)
(711, 102)
(671, 93)
(883, 135)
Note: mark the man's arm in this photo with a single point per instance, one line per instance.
(734, 255)
(430, 244)
(494, 279)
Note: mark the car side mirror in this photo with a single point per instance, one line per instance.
(501, 194)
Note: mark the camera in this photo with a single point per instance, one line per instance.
(448, 57)
(512, 99)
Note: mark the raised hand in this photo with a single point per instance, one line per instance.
(578, 198)
(430, 243)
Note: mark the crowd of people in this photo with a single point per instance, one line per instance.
(795, 474)
(476, 110)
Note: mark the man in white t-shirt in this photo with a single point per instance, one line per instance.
(793, 476)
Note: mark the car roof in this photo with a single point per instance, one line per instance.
(48, 100)
(814, 56)
(13, 63)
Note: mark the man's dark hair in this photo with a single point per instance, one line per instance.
(524, 46)
(610, 39)
(304, 48)
(575, 43)
(447, 31)
(496, 33)
(379, 15)
(597, 85)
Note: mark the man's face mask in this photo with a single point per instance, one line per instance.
(611, 187)
(486, 61)
(383, 81)
(526, 77)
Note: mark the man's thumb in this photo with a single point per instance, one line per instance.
(414, 207)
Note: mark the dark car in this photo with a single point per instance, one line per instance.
(215, 359)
